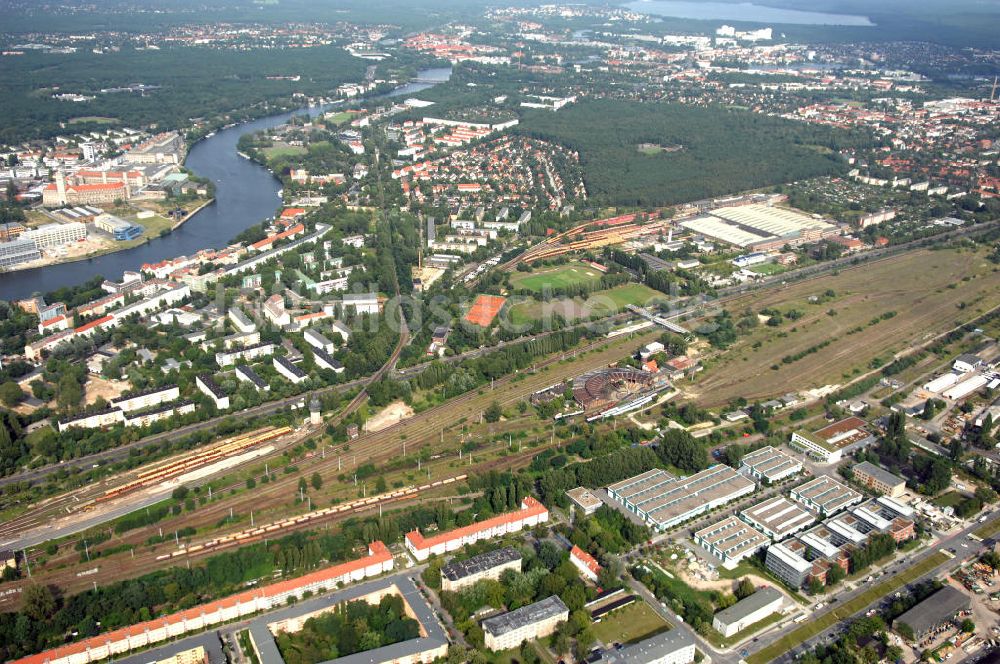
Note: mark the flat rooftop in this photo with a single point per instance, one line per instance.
(843, 433)
(821, 539)
(877, 521)
(770, 462)
(584, 497)
(771, 221)
(718, 229)
(778, 515)
(460, 569)
(732, 537)
(936, 609)
(847, 528)
(749, 605)
(826, 493)
(790, 557)
(526, 615)
(879, 474)
(653, 649)
(663, 497)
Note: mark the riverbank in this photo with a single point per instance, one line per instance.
(190, 214)
(156, 228)
(245, 194)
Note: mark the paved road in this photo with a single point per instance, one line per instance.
(717, 657)
(954, 540)
(210, 641)
(109, 456)
(116, 454)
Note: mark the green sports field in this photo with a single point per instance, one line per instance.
(603, 302)
(559, 276)
(279, 151)
(339, 118)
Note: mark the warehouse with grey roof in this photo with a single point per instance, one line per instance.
(933, 611)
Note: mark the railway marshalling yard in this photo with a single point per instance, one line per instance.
(925, 293)
(925, 289)
(434, 436)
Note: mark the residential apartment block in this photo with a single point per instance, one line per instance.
(879, 479)
(534, 621)
(530, 515)
(490, 565)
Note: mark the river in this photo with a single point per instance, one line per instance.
(743, 11)
(245, 194)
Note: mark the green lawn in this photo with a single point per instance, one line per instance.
(284, 151)
(153, 225)
(638, 294)
(767, 268)
(987, 530)
(602, 302)
(513, 655)
(339, 118)
(844, 611)
(950, 499)
(630, 624)
(745, 568)
(560, 276)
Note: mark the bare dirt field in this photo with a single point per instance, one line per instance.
(102, 387)
(428, 275)
(389, 415)
(921, 294)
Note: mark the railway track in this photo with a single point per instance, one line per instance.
(82, 576)
(427, 428)
(88, 499)
(383, 444)
(373, 445)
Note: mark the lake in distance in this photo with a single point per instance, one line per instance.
(743, 11)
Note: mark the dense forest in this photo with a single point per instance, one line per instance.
(192, 82)
(722, 150)
(79, 16)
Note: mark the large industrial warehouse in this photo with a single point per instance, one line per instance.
(663, 501)
(761, 227)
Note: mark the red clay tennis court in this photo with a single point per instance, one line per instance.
(485, 309)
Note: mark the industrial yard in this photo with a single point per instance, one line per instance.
(930, 292)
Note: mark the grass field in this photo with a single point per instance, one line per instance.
(632, 623)
(987, 530)
(950, 499)
(284, 151)
(339, 118)
(767, 268)
(600, 302)
(929, 291)
(560, 276)
(96, 119)
(843, 612)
